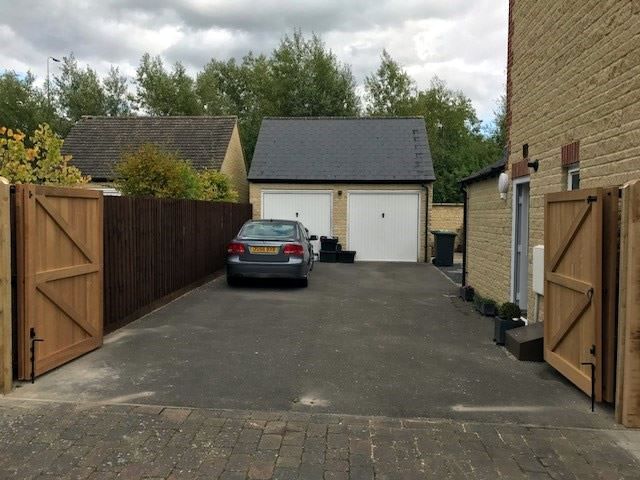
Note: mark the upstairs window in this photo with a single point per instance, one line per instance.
(573, 178)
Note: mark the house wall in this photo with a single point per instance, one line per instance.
(339, 212)
(488, 246)
(446, 216)
(235, 167)
(574, 76)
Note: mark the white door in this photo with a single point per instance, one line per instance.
(384, 226)
(312, 209)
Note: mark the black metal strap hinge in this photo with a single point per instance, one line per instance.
(592, 199)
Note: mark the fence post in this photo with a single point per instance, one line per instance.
(6, 369)
(628, 385)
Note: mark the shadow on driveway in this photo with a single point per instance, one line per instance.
(367, 338)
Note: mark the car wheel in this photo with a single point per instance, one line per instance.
(303, 282)
(232, 281)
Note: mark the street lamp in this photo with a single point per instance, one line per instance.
(48, 82)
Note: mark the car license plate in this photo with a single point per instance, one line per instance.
(264, 250)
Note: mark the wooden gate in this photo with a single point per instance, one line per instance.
(573, 285)
(59, 269)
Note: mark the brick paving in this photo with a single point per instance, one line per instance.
(89, 441)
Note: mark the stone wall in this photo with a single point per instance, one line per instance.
(575, 77)
(488, 240)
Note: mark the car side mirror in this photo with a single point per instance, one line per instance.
(313, 237)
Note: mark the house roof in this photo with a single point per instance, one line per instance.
(342, 149)
(97, 143)
(492, 170)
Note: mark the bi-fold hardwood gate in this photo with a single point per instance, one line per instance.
(59, 275)
(580, 287)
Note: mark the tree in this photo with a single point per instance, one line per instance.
(499, 134)
(117, 98)
(390, 91)
(22, 104)
(79, 91)
(216, 186)
(151, 171)
(308, 80)
(161, 92)
(42, 163)
(457, 145)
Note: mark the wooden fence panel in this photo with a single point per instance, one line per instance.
(154, 249)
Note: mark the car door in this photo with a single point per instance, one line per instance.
(304, 235)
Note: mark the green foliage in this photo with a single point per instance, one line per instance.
(216, 186)
(499, 134)
(509, 310)
(22, 105)
(161, 92)
(151, 171)
(79, 91)
(41, 163)
(118, 102)
(390, 91)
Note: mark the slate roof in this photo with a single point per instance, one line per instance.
(492, 170)
(342, 149)
(97, 143)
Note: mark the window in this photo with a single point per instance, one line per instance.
(269, 231)
(573, 178)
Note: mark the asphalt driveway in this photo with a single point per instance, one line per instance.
(367, 339)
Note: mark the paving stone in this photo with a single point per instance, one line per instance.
(51, 442)
(270, 442)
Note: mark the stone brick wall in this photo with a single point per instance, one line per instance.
(488, 240)
(446, 216)
(234, 166)
(575, 76)
(340, 203)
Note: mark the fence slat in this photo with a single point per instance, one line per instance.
(156, 247)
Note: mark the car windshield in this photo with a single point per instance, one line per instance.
(268, 230)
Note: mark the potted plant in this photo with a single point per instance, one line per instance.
(485, 306)
(466, 293)
(508, 317)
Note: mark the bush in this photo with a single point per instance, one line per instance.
(151, 171)
(216, 186)
(509, 310)
(41, 163)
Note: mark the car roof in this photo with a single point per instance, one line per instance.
(274, 220)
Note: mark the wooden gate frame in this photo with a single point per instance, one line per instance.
(592, 291)
(29, 280)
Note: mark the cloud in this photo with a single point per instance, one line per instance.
(462, 42)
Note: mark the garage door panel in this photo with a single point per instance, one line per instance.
(383, 226)
(312, 209)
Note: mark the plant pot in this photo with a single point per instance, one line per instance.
(328, 256)
(346, 256)
(467, 293)
(487, 309)
(501, 325)
(328, 244)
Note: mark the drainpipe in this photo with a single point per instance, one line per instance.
(426, 222)
(464, 234)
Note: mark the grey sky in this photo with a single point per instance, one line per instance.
(461, 41)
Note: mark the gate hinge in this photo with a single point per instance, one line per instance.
(592, 350)
(592, 198)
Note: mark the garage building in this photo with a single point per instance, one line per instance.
(366, 180)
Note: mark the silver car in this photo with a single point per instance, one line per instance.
(271, 249)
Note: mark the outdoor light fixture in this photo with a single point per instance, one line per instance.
(503, 185)
(339, 193)
(534, 164)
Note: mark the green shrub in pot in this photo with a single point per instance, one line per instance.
(509, 310)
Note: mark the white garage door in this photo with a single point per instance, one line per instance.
(383, 226)
(312, 209)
